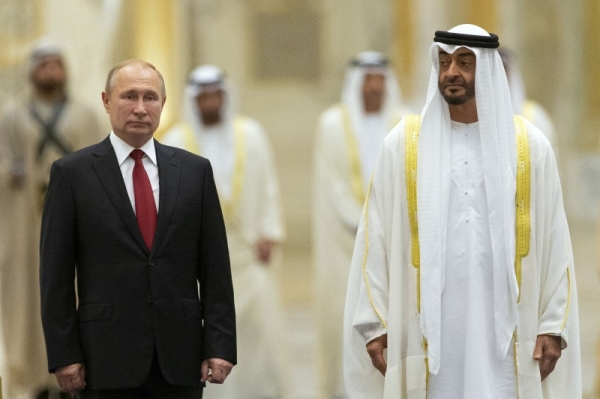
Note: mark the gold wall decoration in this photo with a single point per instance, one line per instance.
(148, 32)
(482, 13)
(21, 22)
(403, 53)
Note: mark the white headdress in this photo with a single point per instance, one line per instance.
(352, 98)
(42, 49)
(498, 143)
(515, 81)
(207, 78)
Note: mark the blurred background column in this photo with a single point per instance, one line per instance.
(404, 52)
(157, 31)
(482, 13)
(591, 75)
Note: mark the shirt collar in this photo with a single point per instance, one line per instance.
(122, 149)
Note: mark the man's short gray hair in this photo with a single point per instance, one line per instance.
(110, 79)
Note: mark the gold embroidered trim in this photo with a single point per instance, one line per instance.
(353, 154)
(564, 323)
(237, 183)
(411, 132)
(229, 207)
(523, 199)
(366, 254)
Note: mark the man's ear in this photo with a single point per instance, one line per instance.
(105, 101)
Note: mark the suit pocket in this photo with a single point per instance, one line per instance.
(94, 311)
(192, 308)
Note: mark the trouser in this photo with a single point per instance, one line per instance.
(155, 387)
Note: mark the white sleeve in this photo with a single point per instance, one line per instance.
(557, 276)
(369, 279)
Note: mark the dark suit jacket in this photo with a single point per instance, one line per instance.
(130, 300)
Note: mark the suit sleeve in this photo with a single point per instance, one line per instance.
(214, 271)
(57, 273)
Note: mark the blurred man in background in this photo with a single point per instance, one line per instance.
(246, 179)
(348, 140)
(530, 109)
(35, 132)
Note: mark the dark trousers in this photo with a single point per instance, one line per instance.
(155, 387)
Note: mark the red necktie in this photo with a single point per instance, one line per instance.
(145, 208)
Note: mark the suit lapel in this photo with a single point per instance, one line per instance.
(108, 171)
(168, 174)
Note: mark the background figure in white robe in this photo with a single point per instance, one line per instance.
(35, 131)
(244, 168)
(348, 139)
(530, 109)
(471, 296)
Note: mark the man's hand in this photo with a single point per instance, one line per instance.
(264, 249)
(71, 378)
(215, 370)
(547, 351)
(375, 349)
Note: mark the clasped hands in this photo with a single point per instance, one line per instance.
(71, 378)
(547, 352)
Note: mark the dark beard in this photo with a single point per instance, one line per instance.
(457, 100)
(49, 86)
(211, 118)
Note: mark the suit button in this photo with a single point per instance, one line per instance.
(151, 262)
(149, 300)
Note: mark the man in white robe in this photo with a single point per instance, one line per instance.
(348, 140)
(454, 292)
(35, 132)
(530, 109)
(246, 179)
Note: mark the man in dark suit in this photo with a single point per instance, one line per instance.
(140, 227)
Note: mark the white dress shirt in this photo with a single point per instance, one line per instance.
(126, 163)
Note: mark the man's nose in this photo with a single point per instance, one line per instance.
(453, 69)
(139, 108)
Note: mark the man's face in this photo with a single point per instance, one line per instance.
(134, 103)
(457, 76)
(209, 106)
(50, 75)
(373, 91)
